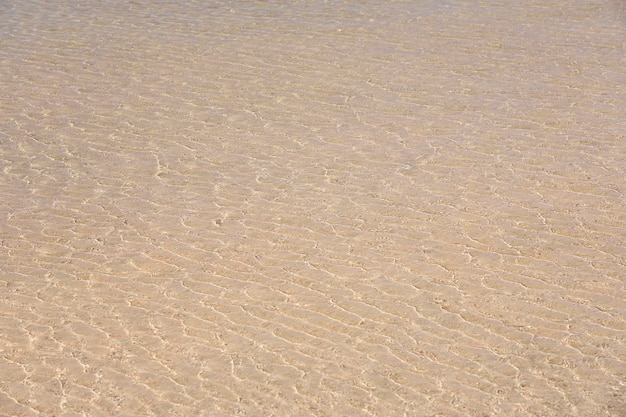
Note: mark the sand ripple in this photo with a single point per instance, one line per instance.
(313, 209)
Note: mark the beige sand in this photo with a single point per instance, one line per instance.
(384, 208)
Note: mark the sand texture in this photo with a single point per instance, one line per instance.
(312, 208)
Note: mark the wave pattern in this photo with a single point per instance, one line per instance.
(313, 209)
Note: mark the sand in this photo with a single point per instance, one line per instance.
(312, 208)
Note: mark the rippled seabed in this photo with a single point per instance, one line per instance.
(310, 208)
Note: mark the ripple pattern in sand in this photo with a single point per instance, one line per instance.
(314, 209)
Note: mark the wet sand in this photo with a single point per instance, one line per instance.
(381, 208)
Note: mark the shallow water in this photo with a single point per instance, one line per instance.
(319, 208)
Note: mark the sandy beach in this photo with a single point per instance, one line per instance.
(313, 208)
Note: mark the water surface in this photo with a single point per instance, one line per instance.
(317, 208)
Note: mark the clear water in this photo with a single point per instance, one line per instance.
(312, 208)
